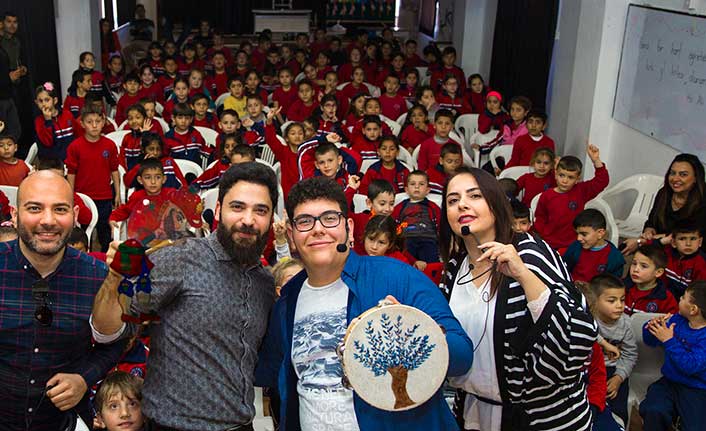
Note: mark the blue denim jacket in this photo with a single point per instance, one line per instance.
(369, 279)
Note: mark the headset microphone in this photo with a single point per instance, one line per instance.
(465, 230)
(343, 247)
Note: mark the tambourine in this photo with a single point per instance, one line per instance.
(395, 357)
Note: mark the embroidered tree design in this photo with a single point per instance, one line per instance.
(395, 350)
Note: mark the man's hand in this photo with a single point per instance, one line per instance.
(67, 391)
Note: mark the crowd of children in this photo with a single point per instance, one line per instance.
(315, 109)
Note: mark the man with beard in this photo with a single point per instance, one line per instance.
(47, 360)
(213, 297)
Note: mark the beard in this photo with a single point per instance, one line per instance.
(31, 241)
(243, 252)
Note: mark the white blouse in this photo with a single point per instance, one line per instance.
(475, 310)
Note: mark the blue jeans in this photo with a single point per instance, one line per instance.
(424, 249)
(604, 421)
(105, 207)
(619, 404)
(666, 400)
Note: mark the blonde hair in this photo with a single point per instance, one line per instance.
(283, 265)
(118, 382)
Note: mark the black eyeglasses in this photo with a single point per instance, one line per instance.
(306, 222)
(40, 292)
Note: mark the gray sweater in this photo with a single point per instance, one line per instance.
(620, 334)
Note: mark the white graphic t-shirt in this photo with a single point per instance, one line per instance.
(319, 326)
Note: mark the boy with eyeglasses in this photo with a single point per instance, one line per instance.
(335, 287)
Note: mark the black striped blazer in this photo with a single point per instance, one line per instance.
(540, 365)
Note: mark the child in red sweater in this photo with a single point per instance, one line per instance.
(152, 147)
(131, 97)
(367, 144)
(356, 85)
(526, 145)
(92, 163)
(12, 169)
(54, 128)
(329, 163)
(80, 86)
(202, 117)
(306, 104)
(179, 95)
(685, 260)
(542, 179)
(183, 141)
(388, 168)
(232, 154)
(557, 207)
(644, 291)
(131, 146)
(286, 94)
(591, 254)
(150, 87)
(392, 103)
(450, 159)
(476, 93)
(380, 201)
(492, 119)
(451, 98)
(431, 148)
(417, 128)
(448, 58)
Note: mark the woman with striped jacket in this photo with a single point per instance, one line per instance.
(531, 332)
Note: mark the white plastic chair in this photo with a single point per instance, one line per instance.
(342, 86)
(415, 156)
(359, 203)
(393, 125)
(401, 119)
(648, 368)
(399, 197)
(285, 125)
(533, 206)
(466, 125)
(482, 140)
(267, 154)
(112, 122)
(209, 135)
(32, 154)
(188, 167)
(405, 157)
(94, 216)
(612, 231)
(515, 172)
(299, 78)
(504, 151)
(630, 213)
(220, 100)
(123, 188)
(163, 123)
(117, 137)
(122, 125)
(366, 165)
(158, 108)
(11, 193)
(374, 91)
(422, 72)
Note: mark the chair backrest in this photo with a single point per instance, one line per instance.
(188, 167)
(163, 123)
(533, 206)
(32, 154)
(11, 193)
(209, 199)
(113, 123)
(341, 86)
(415, 155)
(422, 71)
(646, 187)
(647, 369)
(267, 155)
(284, 126)
(123, 188)
(436, 198)
(399, 197)
(393, 125)
(366, 165)
(158, 108)
(221, 99)
(209, 135)
(404, 156)
(401, 119)
(504, 151)
(374, 91)
(612, 231)
(117, 137)
(466, 125)
(359, 204)
(94, 215)
(299, 78)
(515, 172)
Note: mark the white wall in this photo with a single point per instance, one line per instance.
(582, 102)
(76, 31)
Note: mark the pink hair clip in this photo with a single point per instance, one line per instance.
(48, 86)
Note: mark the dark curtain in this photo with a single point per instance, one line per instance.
(522, 48)
(37, 34)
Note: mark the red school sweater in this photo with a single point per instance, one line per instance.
(555, 213)
(437, 179)
(437, 78)
(525, 146)
(125, 102)
(397, 176)
(92, 163)
(533, 185)
(285, 156)
(393, 106)
(298, 111)
(430, 151)
(656, 300)
(286, 98)
(55, 135)
(366, 148)
(411, 137)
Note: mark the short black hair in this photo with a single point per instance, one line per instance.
(450, 148)
(601, 282)
(316, 188)
(419, 173)
(686, 226)
(149, 164)
(91, 109)
(519, 210)
(570, 163)
(250, 172)
(538, 114)
(371, 119)
(50, 163)
(78, 235)
(590, 218)
(325, 148)
(243, 149)
(509, 186)
(697, 290)
(655, 253)
(137, 107)
(444, 113)
(148, 138)
(196, 97)
(231, 112)
(183, 110)
(379, 186)
(132, 76)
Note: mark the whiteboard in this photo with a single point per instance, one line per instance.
(661, 88)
